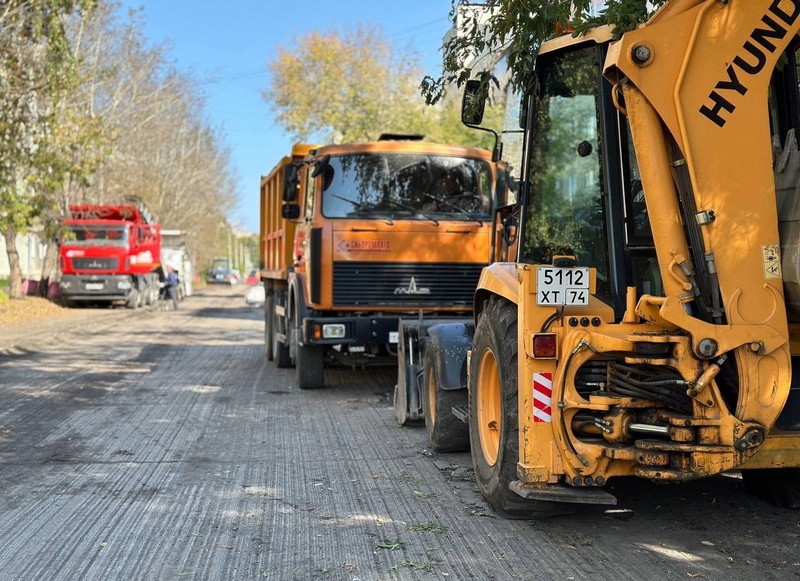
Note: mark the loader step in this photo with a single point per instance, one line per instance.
(461, 412)
(557, 493)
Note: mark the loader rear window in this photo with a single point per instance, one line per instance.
(407, 187)
(566, 215)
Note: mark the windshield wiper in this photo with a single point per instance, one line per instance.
(363, 208)
(415, 211)
(453, 206)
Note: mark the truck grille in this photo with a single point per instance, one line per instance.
(94, 263)
(411, 285)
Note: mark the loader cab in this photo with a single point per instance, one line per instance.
(581, 191)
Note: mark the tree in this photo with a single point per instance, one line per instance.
(152, 139)
(35, 62)
(517, 28)
(349, 87)
(354, 86)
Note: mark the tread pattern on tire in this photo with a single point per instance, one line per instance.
(446, 432)
(497, 330)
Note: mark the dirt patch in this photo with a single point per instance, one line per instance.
(27, 308)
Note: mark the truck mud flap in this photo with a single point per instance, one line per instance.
(449, 344)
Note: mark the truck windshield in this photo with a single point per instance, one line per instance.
(566, 214)
(95, 235)
(407, 186)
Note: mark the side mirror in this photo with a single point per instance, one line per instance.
(321, 165)
(290, 182)
(290, 211)
(473, 104)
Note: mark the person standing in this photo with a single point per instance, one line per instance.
(171, 283)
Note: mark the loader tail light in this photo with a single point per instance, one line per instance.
(544, 345)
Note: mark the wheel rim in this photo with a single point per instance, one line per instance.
(489, 407)
(431, 397)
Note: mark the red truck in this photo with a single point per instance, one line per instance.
(110, 253)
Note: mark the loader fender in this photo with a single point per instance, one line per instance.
(449, 343)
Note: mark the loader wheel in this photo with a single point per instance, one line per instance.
(309, 364)
(446, 432)
(778, 486)
(493, 413)
(269, 324)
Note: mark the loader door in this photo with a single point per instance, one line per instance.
(585, 195)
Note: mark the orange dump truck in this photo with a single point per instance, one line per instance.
(361, 240)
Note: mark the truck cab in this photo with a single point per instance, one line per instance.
(382, 231)
(108, 254)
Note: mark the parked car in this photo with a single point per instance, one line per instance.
(256, 295)
(221, 273)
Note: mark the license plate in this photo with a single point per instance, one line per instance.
(394, 336)
(562, 286)
(94, 286)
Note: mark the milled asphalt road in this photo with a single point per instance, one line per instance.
(162, 446)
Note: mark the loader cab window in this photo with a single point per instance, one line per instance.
(566, 213)
(645, 272)
(784, 99)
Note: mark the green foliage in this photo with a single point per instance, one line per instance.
(354, 86)
(345, 86)
(515, 29)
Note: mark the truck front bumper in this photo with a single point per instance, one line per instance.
(95, 287)
(350, 330)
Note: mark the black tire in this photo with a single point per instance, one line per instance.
(778, 486)
(446, 432)
(269, 325)
(134, 299)
(493, 379)
(309, 365)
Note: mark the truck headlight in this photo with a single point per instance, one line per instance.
(124, 285)
(333, 331)
(66, 284)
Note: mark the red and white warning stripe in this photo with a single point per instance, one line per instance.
(542, 394)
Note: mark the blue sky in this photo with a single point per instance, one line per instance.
(233, 41)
